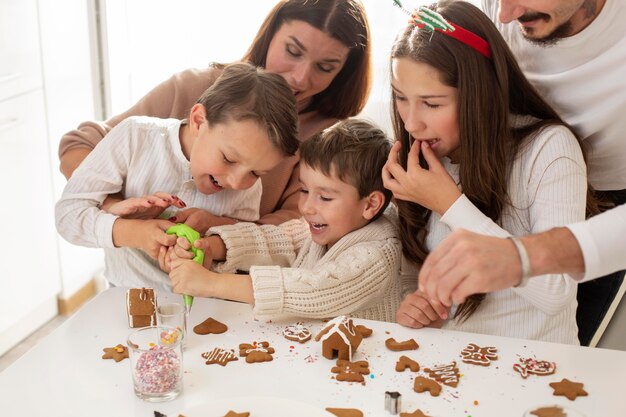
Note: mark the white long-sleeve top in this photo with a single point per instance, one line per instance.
(602, 239)
(140, 156)
(291, 274)
(547, 188)
(583, 78)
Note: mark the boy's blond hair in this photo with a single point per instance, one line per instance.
(354, 151)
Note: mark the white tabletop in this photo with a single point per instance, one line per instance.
(64, 374)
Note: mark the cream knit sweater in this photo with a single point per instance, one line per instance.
(357, 276)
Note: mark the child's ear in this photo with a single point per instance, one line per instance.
(374, 202)
(197, 117)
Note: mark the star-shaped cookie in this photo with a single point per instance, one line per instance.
(569, 389)
(117, 353)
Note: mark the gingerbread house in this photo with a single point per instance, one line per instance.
(340, 338)
(141, 307)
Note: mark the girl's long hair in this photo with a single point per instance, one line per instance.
(490, 92)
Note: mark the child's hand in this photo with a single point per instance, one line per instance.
(150, 236)
(182, 249)
(146, 207)
(198, 219)
(432, 188)
(417, 311)
(189, 278)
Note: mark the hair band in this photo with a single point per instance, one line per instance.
(424, 18)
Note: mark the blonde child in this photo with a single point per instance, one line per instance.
(341, 257)
(478, 148)
(242, 126)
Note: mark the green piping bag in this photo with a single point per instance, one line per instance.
(182, 230)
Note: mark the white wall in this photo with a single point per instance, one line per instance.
(69, 97)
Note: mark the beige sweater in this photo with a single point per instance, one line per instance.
(173, 99)
(358, 276)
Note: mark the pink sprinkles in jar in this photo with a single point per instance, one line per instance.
(157, 371)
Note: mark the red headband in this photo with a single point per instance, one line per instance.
(425, 18)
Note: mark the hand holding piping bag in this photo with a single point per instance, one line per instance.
(182, 230)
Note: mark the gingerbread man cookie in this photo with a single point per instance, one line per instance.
(527, 366)
(210, 326)
(219, 356)
(351, 371)
(297, 333)
(256, 352)
(345, 412)
(476, 355)
(569, 389)
(446, 374)
(410, 344)
(406, 362)
(117, 353)
(422, 384)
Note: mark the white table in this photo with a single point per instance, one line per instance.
(64, 374)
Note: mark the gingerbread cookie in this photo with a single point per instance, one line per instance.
(446, 374)
(549, 412)
(297, 333)
(231, 413)
(422, 384)
(476, 355)
(364, 331)
(117, 353)
(527, 366)
(210, 326)
(398, 346)
(256, 352)
(219, 356)
(568, 389)
(416, 413)
(406, 362)
(351, 371)
(345, 412)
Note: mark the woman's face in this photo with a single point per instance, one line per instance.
(428, 108)
(307, 58)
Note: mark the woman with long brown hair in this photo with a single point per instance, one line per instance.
(478, 148)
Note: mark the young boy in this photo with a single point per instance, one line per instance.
(241, 127)
(342, 256)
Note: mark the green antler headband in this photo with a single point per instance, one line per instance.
(428, 19)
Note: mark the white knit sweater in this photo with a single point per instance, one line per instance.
(291, 274)
(547, 188)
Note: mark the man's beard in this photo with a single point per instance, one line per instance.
(561, 31)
